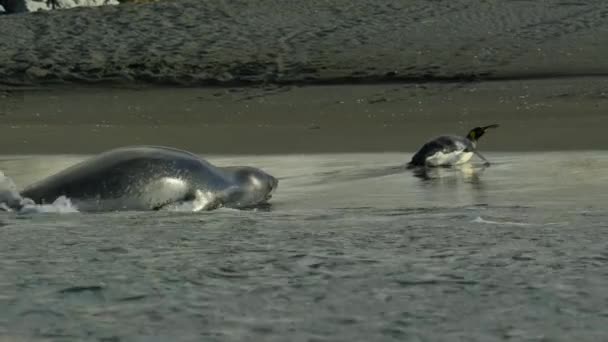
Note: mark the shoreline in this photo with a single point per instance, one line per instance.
(59, 85)
(535, 115)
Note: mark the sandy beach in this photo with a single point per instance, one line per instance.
(191, 42)
(299, 77)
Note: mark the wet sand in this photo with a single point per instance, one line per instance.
(535, 115)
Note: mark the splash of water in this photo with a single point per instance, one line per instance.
(203, 200)
(62, 205)
(11, 200)
(9, 196)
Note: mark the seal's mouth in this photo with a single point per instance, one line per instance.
(273, 188)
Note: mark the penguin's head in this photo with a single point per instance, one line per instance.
(478, 132)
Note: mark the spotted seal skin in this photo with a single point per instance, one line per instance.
(152, 177)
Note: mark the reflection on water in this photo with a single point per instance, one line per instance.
(466, 172)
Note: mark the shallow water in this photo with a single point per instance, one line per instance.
(353, 248)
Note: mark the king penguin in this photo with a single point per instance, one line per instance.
(450, 150)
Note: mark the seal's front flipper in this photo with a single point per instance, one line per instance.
(195, 201)
(208, 200)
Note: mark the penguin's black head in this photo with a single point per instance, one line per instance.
(478, 132)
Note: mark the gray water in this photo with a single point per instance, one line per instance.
(353, 248)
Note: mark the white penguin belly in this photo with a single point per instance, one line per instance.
(451, 158)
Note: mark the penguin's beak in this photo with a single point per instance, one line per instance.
(491, 126)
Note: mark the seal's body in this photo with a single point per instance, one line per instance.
(151, 177)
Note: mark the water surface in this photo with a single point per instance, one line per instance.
(353, 248)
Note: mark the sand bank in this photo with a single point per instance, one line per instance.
(192, 42)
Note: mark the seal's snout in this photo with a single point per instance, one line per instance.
(273, 184)
(258, 185)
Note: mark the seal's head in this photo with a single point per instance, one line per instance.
(253, 185)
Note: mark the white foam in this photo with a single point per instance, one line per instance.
(11, 199)
(506, 223)
(479, 219)
(9, 196)
(62, 205)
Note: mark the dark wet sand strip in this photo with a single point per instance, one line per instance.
(534, 115)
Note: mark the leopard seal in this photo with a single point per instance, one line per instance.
(151, 178)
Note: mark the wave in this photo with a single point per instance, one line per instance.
(479, 219)
(192, 42)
